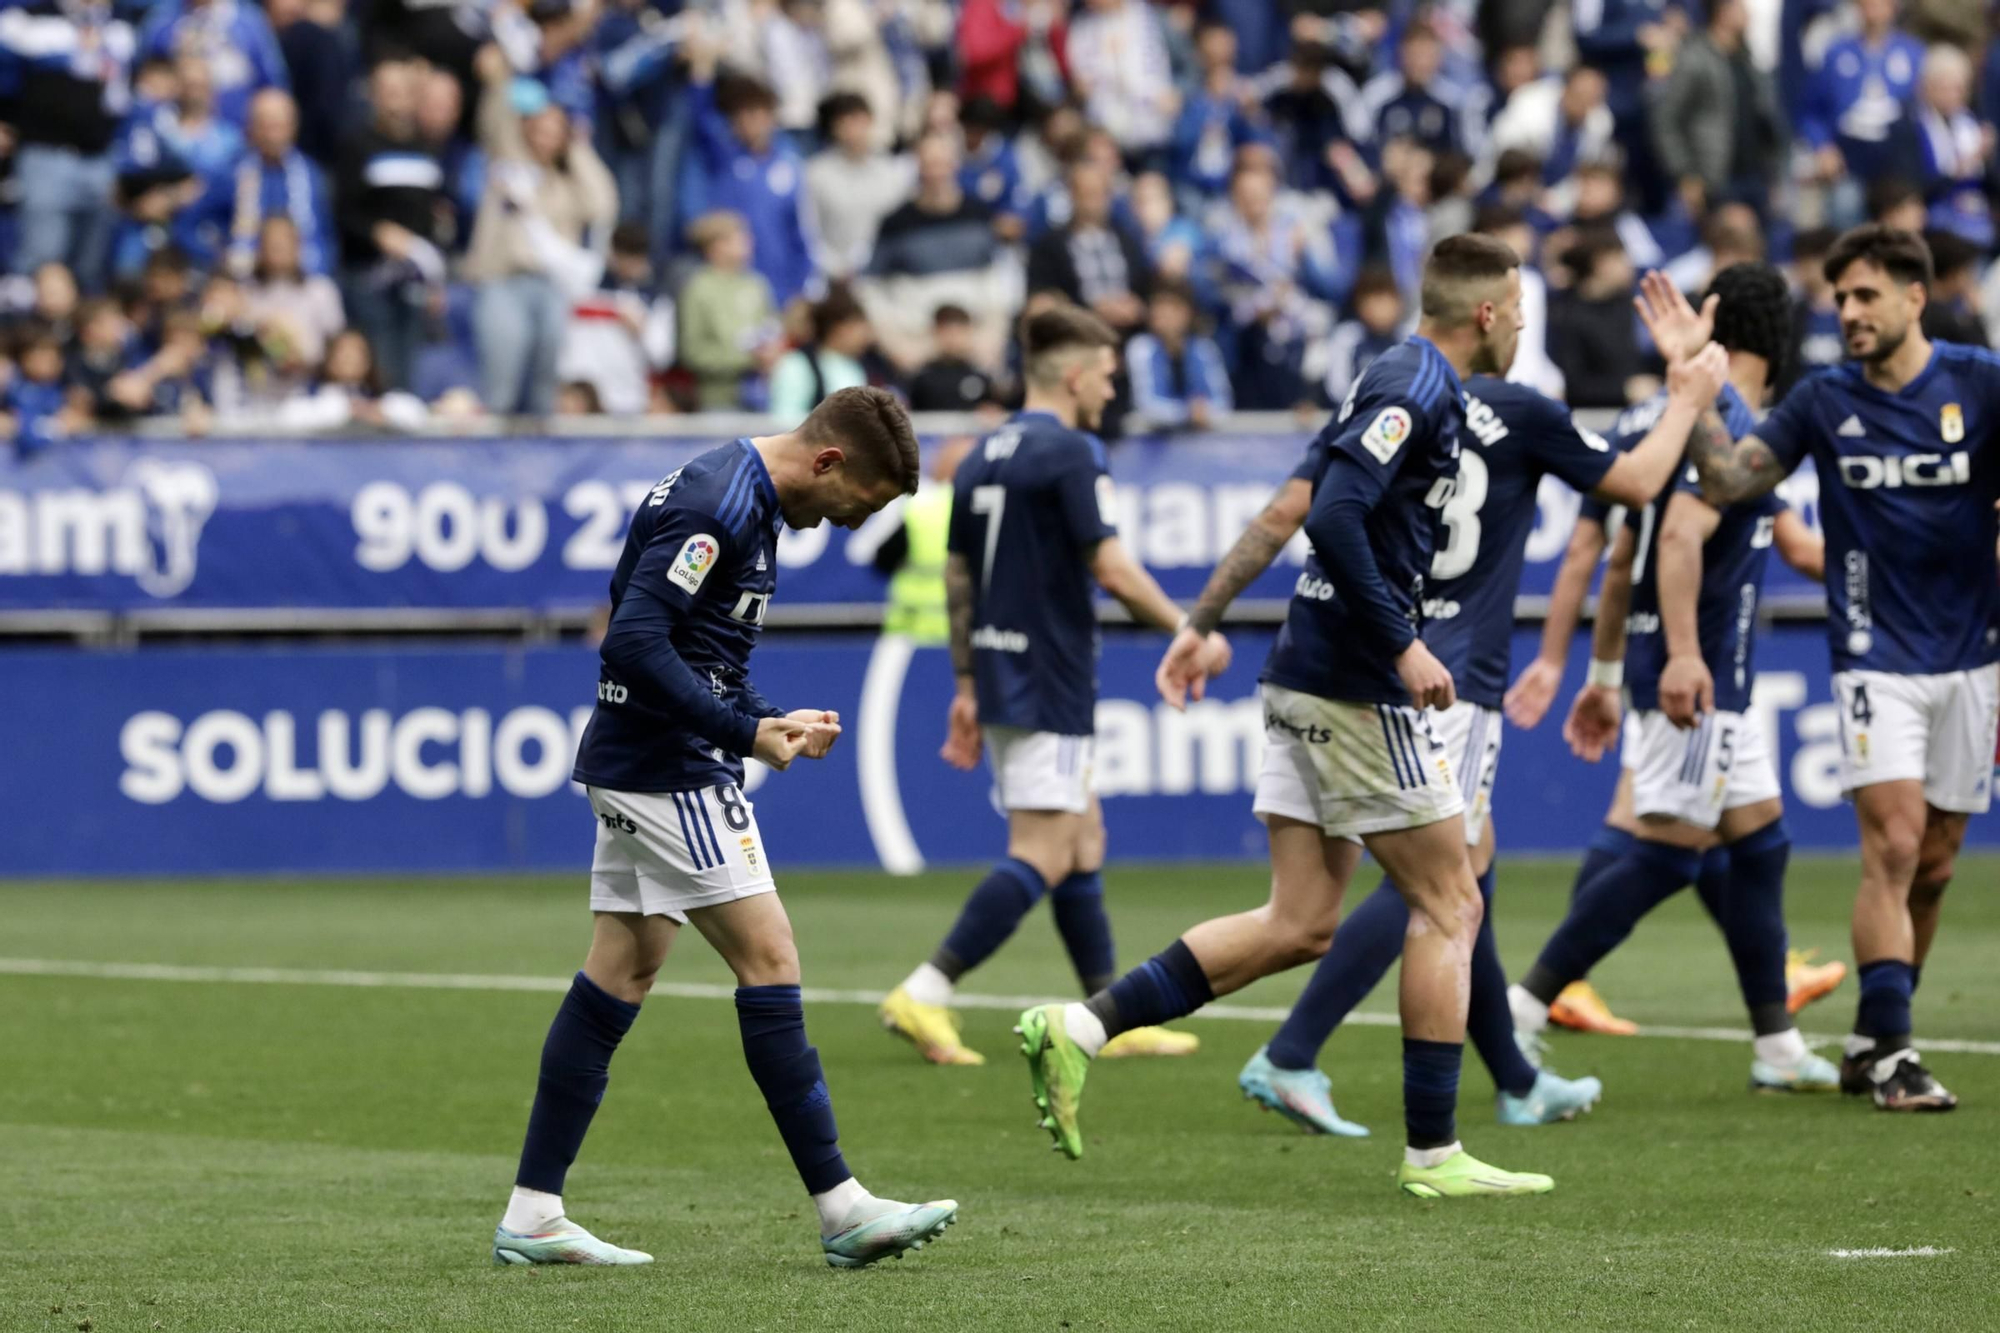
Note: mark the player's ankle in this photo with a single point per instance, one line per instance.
(1425, 1158)
(837, 1205)
(1085, 1028)
(1530, 1014)
(531, 1211)
(1786, 1050)
(928, 985)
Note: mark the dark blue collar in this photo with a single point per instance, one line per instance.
(760, 478)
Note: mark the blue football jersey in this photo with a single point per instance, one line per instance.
(1907, 483)
(1513, 436)
(1400, 424)
(703, 546)
(1732, 580)
(1028, 505)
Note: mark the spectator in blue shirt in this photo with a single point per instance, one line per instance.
(320, 55)
(1215, 120)
(275, 179)
(1412, 102)
(1177, 376)
(1276, 269)
(1856, 98)
(1378, 325)
(36, 399)
(1317, 120)
(990, 171)
(1628, 41)
(742, 165)
(231, 36)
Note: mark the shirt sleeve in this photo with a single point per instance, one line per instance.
(686, 548)
(1787, 430)
(1084, 490)
(1337, 527)
(1389, 412)
(1580, 457)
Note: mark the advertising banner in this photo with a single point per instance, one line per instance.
(395, 758)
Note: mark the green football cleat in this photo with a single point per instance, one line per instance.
(887, 1234)
(1056, 1068)
(568, 1243)
(1463, 1176)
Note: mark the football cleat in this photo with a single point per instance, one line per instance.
(1463, 1176)
(1150, 1041)
(931, 1028)
(1806, 981)
(1056, 1069)
(567, 1243)
(1552, 1098)
(1854, 1072)
(1812, 1074)
(1901, 1083)
(1582, 1009)
(888, 1233)
(1302, 1096)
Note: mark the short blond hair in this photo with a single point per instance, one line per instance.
(709, 228)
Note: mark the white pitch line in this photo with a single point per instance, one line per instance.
(1880, 1252)
(694, 990)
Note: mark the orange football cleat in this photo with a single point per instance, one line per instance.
(1582, 1009)
(1806, 981)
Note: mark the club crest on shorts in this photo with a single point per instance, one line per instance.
(691, 566)
(749, 846)
(1951, 423)
(1386, 433)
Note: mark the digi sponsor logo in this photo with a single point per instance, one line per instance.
(1868, 472)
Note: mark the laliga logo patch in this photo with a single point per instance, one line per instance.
(1386, 433)
(691, 566)
(1951, 423)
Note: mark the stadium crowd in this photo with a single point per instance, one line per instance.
(318, 214)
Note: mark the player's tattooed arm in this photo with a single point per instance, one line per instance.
(958, 610)
(1252, 554)
(1731, 470)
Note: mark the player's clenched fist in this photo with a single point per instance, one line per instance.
(1426, 678)
(783, 739)
(821, 739)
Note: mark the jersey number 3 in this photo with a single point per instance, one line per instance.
(1460, 512)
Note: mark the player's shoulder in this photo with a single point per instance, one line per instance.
(1412, 372)
(717, 488)
(1520, 404)
(1964, 359)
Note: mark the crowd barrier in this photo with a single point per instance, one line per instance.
(291, 533)
(418, 758)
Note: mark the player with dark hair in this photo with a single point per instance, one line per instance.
(1513, 437)
(1032, 525)
(1909, 471)
(1702, 770)
(1350, 748)
(677, 841)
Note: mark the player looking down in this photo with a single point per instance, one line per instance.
(677, 841)
(1031, 527)
(1902, 441)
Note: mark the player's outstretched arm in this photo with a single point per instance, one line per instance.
(1731, 470)
(1191, 658)
(961, 733)
(1529, 697)
(1592, 725)
(1643, 471)
(1112, 565)
(1687, 689)
(1799, 546)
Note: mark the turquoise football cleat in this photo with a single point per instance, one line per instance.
(1302, 1096)
(568, 1243)
(1552, 1098)
(888, 1233)
(1815, 1073)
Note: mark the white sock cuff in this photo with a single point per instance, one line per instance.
(1084, 1028)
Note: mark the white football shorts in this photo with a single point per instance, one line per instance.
(1937, 730)
(1354, 769)
(1041, 770)
(1721, 763)
(668, 853)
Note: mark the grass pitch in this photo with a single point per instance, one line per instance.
(226, 1154)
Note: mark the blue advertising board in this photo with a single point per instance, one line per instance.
(439, 758)
(526, 524)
